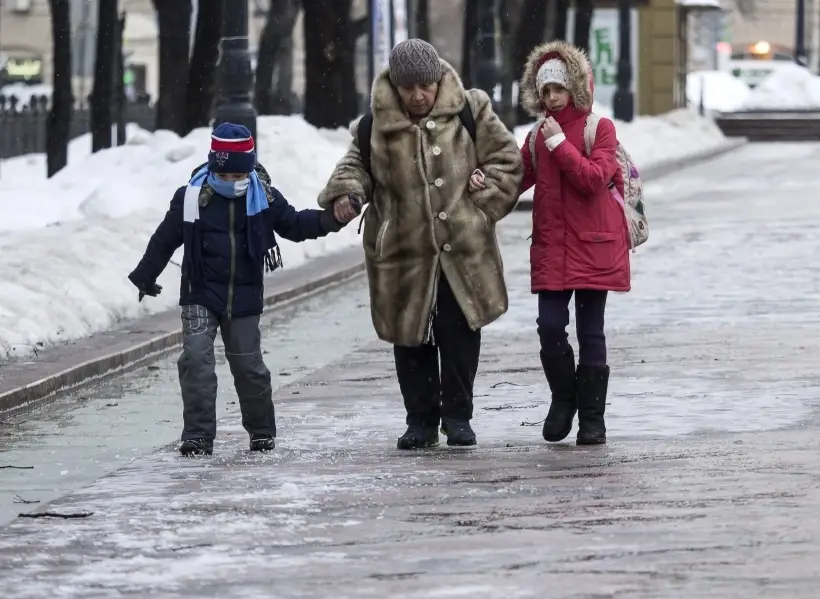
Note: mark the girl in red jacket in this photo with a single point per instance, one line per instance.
(579, 236)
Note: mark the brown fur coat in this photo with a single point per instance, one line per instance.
(422, 220)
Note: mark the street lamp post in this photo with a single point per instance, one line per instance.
(623, 101)
(485, 59)
(235, 91)
(800, 56)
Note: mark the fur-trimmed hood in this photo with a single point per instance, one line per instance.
(389, 113)
(578, 67)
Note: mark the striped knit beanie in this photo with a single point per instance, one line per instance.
(232, 150)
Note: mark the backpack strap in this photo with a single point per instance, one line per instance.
(532, 136)
(468, 120)
(363, 136)
(590, 129)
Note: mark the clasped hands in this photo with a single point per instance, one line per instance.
(346, 208)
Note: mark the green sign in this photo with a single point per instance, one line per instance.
(604, 63)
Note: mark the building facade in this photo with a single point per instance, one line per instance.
(25, 43)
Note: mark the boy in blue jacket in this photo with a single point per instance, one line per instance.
(225, 218)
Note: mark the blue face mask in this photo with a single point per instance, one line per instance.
(228, 189)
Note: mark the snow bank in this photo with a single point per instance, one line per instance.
(789, 87)
(722, 92)
(652, 140)
(69, 242)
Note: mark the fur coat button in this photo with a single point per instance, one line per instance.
(442, 216)
(446, 247)
(431, 125)
(436, 150)
(439, 182)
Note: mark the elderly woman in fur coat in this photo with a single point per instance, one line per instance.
(433, 199)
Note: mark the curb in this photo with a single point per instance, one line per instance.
(667, 167)
(314, 276)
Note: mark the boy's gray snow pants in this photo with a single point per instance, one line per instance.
(197, 373)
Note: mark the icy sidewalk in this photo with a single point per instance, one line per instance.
(721, 334)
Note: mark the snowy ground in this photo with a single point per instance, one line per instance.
(789, 87)
(69, 242)
(719, 91)
(707, 488)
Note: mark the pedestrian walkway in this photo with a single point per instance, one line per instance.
(707, 488)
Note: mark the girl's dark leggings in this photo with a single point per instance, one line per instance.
(553, 318)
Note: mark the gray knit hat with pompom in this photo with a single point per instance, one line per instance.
(414, 62)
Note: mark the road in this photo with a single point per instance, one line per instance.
(708, 487)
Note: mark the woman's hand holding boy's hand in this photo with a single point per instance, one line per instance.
(476, 181)
(550, 128)
(343, 209)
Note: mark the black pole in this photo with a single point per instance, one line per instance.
(800, 56)
(485, 60)
(234, 102)
(392, 24)
(120, 83)
(623, 102)
(371, 48)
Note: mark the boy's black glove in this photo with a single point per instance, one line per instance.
(150, 289)
(329, 222)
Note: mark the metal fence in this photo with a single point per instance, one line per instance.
(23, 123)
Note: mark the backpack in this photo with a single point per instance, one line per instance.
(632, 203)
(366, 129)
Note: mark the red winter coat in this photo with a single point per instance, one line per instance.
(579, 233)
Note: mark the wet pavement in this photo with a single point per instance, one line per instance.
(708, 488)
(73, 441)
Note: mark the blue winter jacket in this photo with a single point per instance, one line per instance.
(231, 280)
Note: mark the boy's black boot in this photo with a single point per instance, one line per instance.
(592, 388)
(560, 373)
(196, 447)
(459, 432)
(262, 442)
(418, 436)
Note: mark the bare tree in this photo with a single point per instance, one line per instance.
(62, 101)
(583, 23)
(422, 19)
(530, 31)
(174, 17)
(103, 91)
(560, 25)
(274, 43)
(468, 41)
(201, 88)
(509, 17)
(330, 86)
